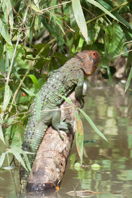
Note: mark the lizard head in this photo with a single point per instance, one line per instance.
(90, 60)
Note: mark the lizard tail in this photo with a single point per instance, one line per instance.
(33, 138)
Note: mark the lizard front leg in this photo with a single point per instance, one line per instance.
(57, 124)
(79, 89)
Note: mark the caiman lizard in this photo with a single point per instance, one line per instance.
(45, 108)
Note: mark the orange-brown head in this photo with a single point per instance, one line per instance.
(90, 60)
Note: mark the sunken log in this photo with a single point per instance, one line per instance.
(50, 162)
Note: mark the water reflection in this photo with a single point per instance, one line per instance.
(109, 107)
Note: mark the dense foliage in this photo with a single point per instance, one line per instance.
(39, 36)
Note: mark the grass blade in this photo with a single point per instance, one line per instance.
(34, 80)
(98, 5)
(4, 32)
(35, 8)
(79, 16)
(16, 151)
(68, 100)
(93, 125)
(79, 135)
(1, 134)
(27, 162)
(2, 158)
(128, 80)
(7, 97)
(116, 14)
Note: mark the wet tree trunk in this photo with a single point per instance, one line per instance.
(50, 163)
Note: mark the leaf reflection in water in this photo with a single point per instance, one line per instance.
(82, 193)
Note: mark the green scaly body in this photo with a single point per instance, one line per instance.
(45, 108)
(48, 99)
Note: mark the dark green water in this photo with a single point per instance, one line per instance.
(107, 166)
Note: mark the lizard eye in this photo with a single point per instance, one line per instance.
(94, 54)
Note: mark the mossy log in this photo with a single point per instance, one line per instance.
(50, 162)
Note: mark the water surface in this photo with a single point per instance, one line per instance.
(107, 167)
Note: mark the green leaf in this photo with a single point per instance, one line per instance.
(7, 97)
(27, 162)
(2, 158)
(1, 134)
(57, 20)
(114, 39)
(93, 125)
(16, 151)
(68, 100)
(35, 8)
(36, 2)
(17, 130)
(98, 5)
(4, 32)
(116, 14)
(30, 92)
(79, 135)
(79, 16)
(8, 168)
(34, 80)
(8, 12)
(128, 80)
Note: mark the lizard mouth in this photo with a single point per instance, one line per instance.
(91, 71)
